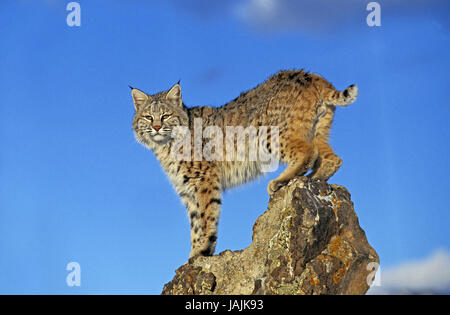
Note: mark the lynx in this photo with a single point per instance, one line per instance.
(299, 104)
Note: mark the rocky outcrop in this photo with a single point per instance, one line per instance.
(307, 242)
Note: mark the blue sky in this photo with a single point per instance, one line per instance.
(75, 185)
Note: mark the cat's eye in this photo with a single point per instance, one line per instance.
(165, 117)
(149, 117)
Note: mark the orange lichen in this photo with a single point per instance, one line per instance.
(335, 245)
(336, 204)
(338, 275)
(324, 257)
(314, 280)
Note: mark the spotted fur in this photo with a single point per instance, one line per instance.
(301, 104)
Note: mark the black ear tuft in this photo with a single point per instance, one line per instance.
(179, 81)
(131, 87)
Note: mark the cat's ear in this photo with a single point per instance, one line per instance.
(174, 95)
(139, 97)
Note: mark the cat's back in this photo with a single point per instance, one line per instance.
(254, 104)
(207, 114)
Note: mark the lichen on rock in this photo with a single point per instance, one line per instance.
(307, 242)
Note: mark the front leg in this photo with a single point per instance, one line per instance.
(203, 205)
(210, 200)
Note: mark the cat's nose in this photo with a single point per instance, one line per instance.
(157, 128)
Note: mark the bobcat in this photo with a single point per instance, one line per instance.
(300, 104)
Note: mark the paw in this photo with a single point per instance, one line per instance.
(327, 169)
(193, 254)
(322, 174)
(206, 249)
(273, 186)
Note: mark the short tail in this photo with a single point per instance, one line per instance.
(343, 98)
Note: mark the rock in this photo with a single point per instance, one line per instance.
(307, 242)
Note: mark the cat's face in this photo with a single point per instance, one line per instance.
(157, 115)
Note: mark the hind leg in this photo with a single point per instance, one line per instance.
(300, 158)
(327, 163)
